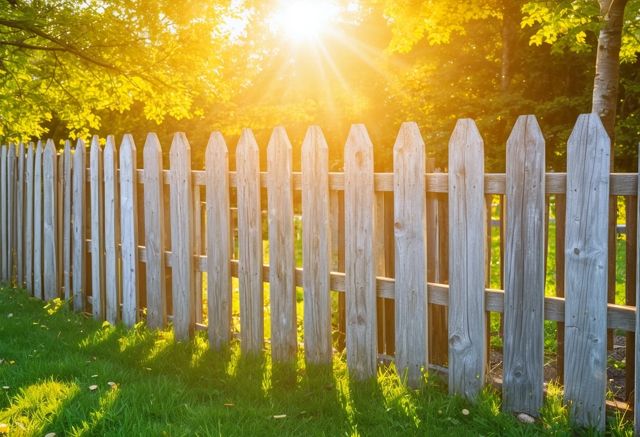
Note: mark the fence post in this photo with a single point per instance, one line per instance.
(37, 223)
(154, 232)
(281, 251)
(524, 270)
(218, 242)
(28, 232)
(111, 230)
(50, 215)
(316, 248)
(585, 371)
(467, 228)
(129, 229)
(182, 237)
(250, 243)
(412, 349)
(360, 268)
(97, 230)
(20, 232)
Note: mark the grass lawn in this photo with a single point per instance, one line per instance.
(146, 384)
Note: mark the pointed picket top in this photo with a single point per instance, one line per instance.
(151, 146)
(465, 136)
(588, 129)
(94, 149)
(67, 146)
(409, 138)
(179, 144)
(128, 145)
(526, 131)
(216, 144)
(279, 142)
(39, 146)
(314, 140)
(110, 144)
(50, 146)
(359, 141)
(247, 142)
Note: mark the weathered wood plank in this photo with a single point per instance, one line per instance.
(60, 219)
(250, 244)
(218, 242)
(585, 373)
(631, 212)
(28, 220)
(281, 251)
(197, 249)
(154, 233)
(50, 225)
(20, 217)
(129, 231)
(411, 327)
(467, 318)
(78, 214)
(67, 230)
(11, 211)
(111, 230)
(3, 213)
(636, 402)
(360, 269)
(96, 181)
(37, 224)
(316, 247)
(522, 389)
(182, 236)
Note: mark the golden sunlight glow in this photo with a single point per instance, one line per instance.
(304, 20)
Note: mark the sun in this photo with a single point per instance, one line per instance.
(304, 20)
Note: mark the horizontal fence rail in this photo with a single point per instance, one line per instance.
(128, 244)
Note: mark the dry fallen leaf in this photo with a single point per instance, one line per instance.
(5, 387)
(51, 434)
(229, 405)
(280, 416)
(4, 428)
(94, 376)
(93, 387)
(465, 412)
(112, 384)
(525, 418)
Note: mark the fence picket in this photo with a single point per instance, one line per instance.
(96, 185)
(111, 230)
(182, 236)
(28, 222)
(411, 321)
(129, 231)
(316, 247)
(67, 183)
(636, 401)
(467, 336)
(585, 374)
(78, 264)
(3, 214)
(20, 232)
(11, 216)
(37, 223)
(250, 244)
(218, 241)
(50, 225)
(281, 248)
(197, 250)
(154, 232)
(524, 270)
(360, 268)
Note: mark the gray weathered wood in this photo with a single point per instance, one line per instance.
(411, 321)
(316, 247)
(636, 403)
(67, 215)
(585, 370)
(467, 323)
(50, 225)
(28, 220)
(11, 211)
(218, 242)
(182, 237)
(97, 229)
(250, 244)
(360, 269)
(281, 251)
(78, 214)
(3, 214)
(522, 388)
(37, 223)
(129, 231)
(20, 217)
(111, 230)
(154, 233)
(197, 250)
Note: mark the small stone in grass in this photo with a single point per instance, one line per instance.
(51, 434)
(93, 387)
(465, 412)
(525, 418)
(10, 315)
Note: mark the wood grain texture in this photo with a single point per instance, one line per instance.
(636, 403)
(218, 242)
(111, 231)
(3, 214)
(522, 389)
(37, 224)
(281, 248)
(360, 269)
(585, 373)
(96, 181)
(11, 212)
(316, 247)
(67, 214)
(182, 237)
(154, 233)
(20, 217)
(28, 220)
(250, 244)
(78, 217)
(197, 250)
(467, 318)
(411, 321)
(50, 224)
(129, 231)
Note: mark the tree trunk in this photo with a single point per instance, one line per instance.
(511, 17)
(605, 83)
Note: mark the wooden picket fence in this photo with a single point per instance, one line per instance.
(91, 227)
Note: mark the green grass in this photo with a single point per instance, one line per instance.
(51, 356)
